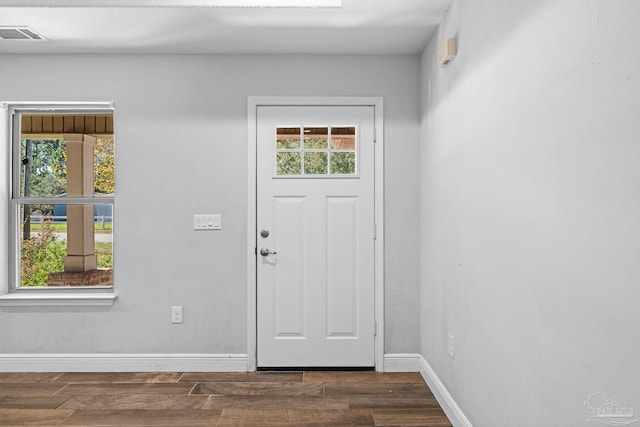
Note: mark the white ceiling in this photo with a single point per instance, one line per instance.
(358, 27)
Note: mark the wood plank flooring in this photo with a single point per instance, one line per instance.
(310, 398)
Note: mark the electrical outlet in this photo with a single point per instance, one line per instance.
(176, 314)
(451, 346)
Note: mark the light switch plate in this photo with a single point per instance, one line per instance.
(207, 222)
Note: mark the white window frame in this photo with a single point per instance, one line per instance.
(10, 293)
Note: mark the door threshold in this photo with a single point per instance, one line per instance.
(316, 368)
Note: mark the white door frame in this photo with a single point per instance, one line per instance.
(253, 103)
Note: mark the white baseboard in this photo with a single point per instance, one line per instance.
(449, 406)
(124, 363)
(402, 362)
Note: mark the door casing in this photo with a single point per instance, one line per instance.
(253, 103)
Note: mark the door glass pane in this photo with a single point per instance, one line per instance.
(288, 138)
(316, 138)
(315, 163)
(343, 138)
(320, 150)
(343, 163)
(288, 163)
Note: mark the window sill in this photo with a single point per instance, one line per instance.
(61, 299)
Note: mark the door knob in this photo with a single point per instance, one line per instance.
(267, 252)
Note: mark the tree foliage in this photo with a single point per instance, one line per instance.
(315, 163)
(44, 172)
(104, 166)
(343, 163)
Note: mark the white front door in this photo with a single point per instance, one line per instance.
(315, 236)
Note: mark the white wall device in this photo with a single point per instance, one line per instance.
(447, 52)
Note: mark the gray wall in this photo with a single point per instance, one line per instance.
(530, 207)
(181, 138)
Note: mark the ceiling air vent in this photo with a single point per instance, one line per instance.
(19, 33)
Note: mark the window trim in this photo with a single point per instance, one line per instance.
(58, 299)
(12, 294)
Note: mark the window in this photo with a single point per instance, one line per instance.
(61, 198)
(316, 151)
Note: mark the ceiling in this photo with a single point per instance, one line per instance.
(358, 27)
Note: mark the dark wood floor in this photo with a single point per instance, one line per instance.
(312, 398)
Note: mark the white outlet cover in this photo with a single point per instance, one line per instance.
(176, 314)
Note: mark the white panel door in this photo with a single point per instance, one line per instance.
(315, 236)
